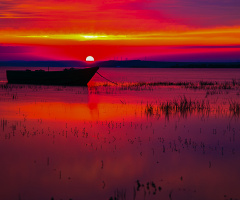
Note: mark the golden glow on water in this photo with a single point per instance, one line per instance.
(65, 111)
(102, 111)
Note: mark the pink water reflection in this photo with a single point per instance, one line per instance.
(73, 143)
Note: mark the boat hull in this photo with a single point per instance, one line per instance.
(71, 77)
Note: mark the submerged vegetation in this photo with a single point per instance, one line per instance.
(210, 87)
(200, 85)
(234, 84)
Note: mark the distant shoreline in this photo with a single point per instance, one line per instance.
(121, 64)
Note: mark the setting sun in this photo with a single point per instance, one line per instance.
(90, 58)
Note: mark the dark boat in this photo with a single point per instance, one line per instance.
(71, 77)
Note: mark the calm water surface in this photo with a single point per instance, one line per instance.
(122, 142)
(139, 74)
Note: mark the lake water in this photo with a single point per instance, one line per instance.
(126, 141)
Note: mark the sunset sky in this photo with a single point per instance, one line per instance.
(167, 30)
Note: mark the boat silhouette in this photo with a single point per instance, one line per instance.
(68, 77)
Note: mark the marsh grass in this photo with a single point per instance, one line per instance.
(137, 86)
(234, 108)
(212, 87)
(182, 106)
